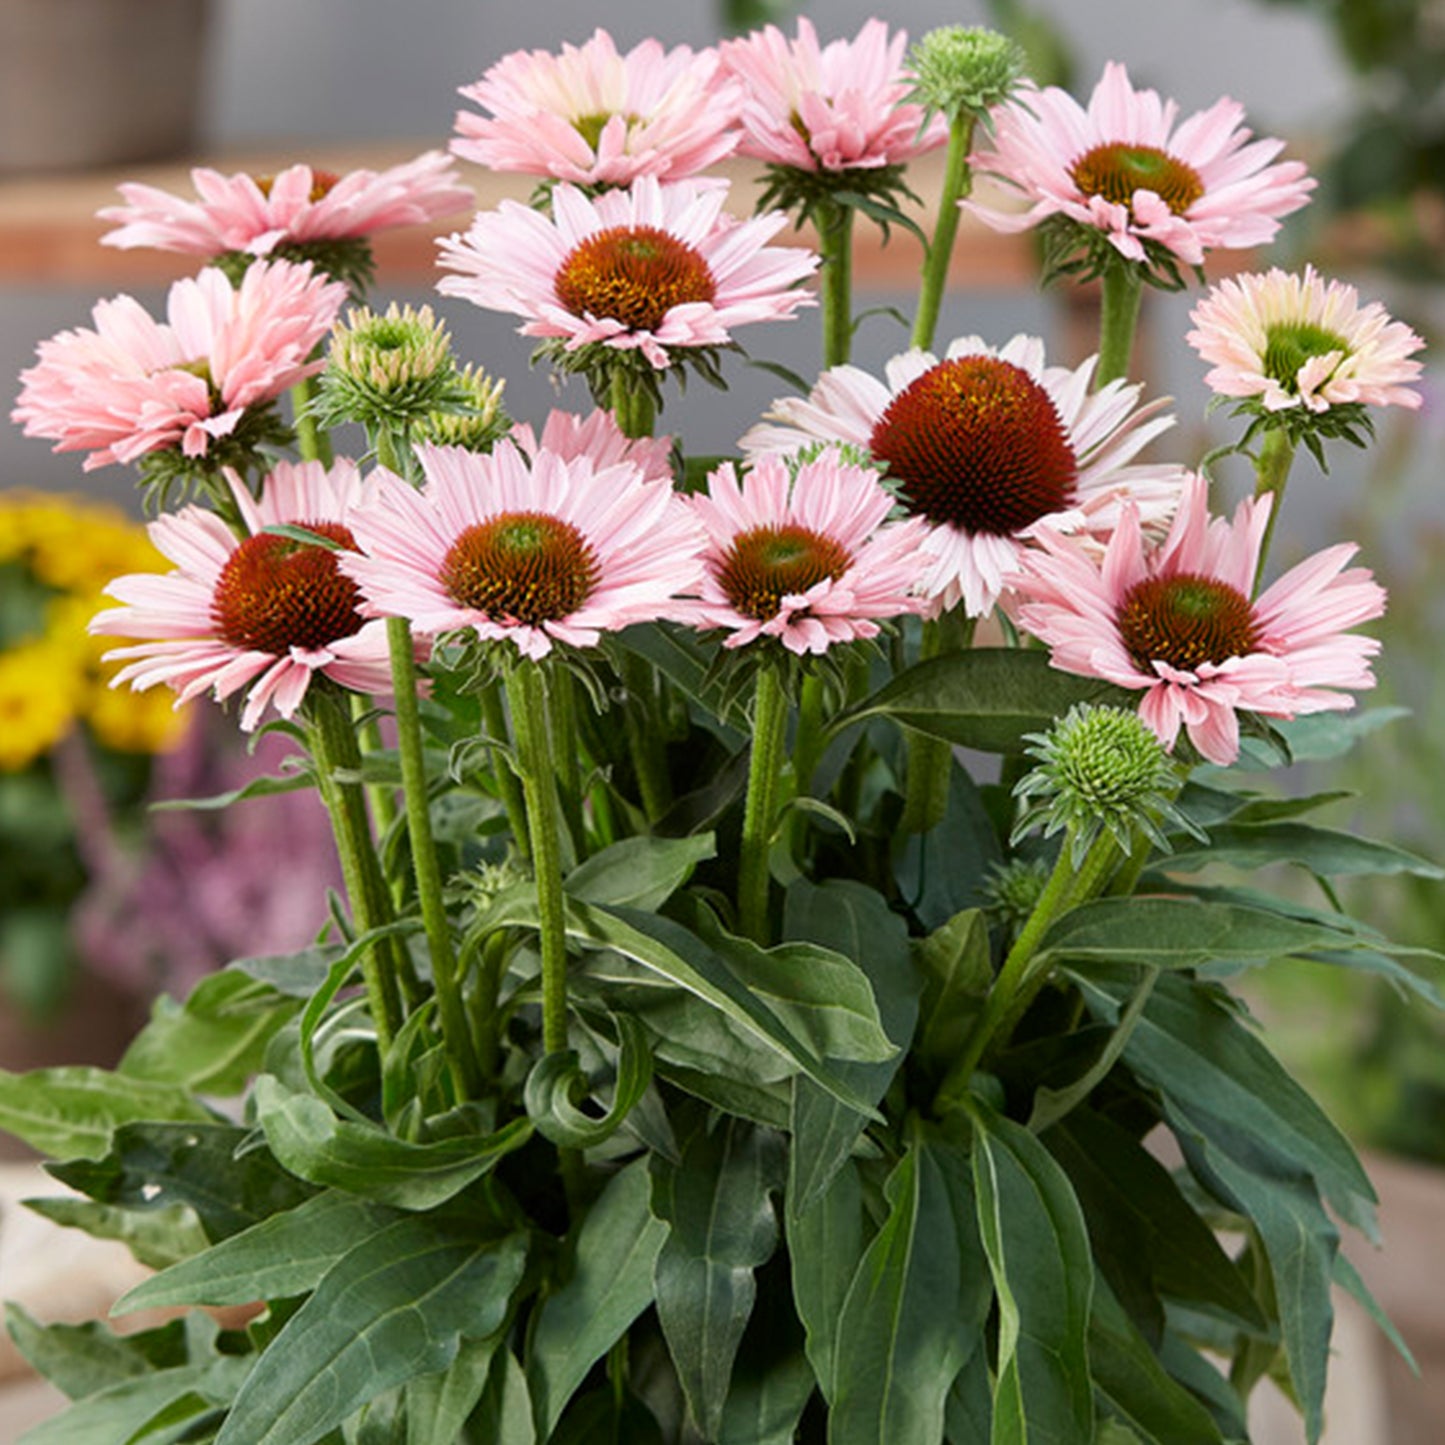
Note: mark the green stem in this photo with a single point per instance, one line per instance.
(957, 183)
(527, 696)
(455, 1034)
(835, 243)
(567, 750)
(1271, 475)
(380, 797)
(765, 766)
(509, 788)
(311, 441)
(807, 752)
(1123, 286)
(490, 970)
(1066, 887)
(334, 751)
(644, 740)
(930, 759)
(632, 407)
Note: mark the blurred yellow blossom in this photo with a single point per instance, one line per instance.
(38, 686)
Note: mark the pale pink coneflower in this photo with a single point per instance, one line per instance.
(598, 438)
(298, 207)
(1300, 341)
(592, 116)
(1178, 622)
(264, 612)
(1125, 168)
(834, 107)
(533, 550)
(655, 268)
(987, 446)
(135, 385)
(809, 560)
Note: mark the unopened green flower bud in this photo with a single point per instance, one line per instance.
(389, 370)
(1099, 768)
(475, 419)
(1012, 890)
(960, 69)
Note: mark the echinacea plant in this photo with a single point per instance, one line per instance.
(776, 995)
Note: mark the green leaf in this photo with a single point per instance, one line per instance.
(916, 1309)
(1348, 1279)
(215, 1041)
(72, 1112)
(155, 1166)
(1323, 736)
(955, 963)
(641, 872)
(157, 1238)
(986, 698)
(287, 1254)
(297, 975)
(722, 1226)
(940, 873)
(825, 1244)
(1321, 850)
(395, 1307)
(764, 1408)
(610, 1283)
(553, 1086)
(265, 787)
(1038, 1253)
(314, 1144)
(505, 1412)
(437, 1405)
(1133, 1382)
(81, 1359)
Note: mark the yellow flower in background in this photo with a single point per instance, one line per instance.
(38, 686)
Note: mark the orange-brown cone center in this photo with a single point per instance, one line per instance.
(1186, 620)
(1115, 171)
(633, 274)
(769, 563)
(527, 567)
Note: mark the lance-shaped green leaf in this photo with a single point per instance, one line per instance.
(916, 1308)
(154, 1166)
(1038, 1253)
(1321, 850)
(158, 1238)
(437, 1406)
(986, 698)
(641, 872)
(82, 1359)
(285, 1255)
(956, 969)
(610, 1283)
(393, 1308)
(359, 1159)
(72, 1112)
(941, 872)
(722, 1226)
(825, 1244)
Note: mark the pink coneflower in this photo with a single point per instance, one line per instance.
(1178, 622)
(297, 208)
(532, 550)
(264, 612)
(834, 107)
(1126, 169)
(808, 561)
(654, 268)
(1299, 341)
(135, 385)
(598, 438)
(593, 117)
(987, 446)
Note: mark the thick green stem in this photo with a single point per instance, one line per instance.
(509, 788)
(455, 1034)
(930, 759)
(335, 752)
(632, 407)
(1067, 886)
(957, 183)
(527, 696)
(312, 441)
(765, 767)
(835, 243)
(1271, 475)
(644, 740)
(1123, 285)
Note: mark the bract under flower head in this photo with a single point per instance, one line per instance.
(534, 550)
(833, 107)
(592, 116)
(805, 559)
(299, 207)
(1300, 341)
(1178, 622)
(135, 385)
(1124, 168)
(986, 446)
(655, 269)
(264, 613)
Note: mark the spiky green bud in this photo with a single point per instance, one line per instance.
(1012, 890)
(1099, 768)
(962, 69)
(477, 423)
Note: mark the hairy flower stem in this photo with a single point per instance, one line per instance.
(834, 224)
(957, 183)
(1067, 887)
(566, 750)
(334, 751)
(1271, 475)
(527, 697)
(1123, 285)
(765, 767)
(509, 788)
(930, 759)
(312, 441)
(456, 1036)
(632, 408)
(380, 797)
